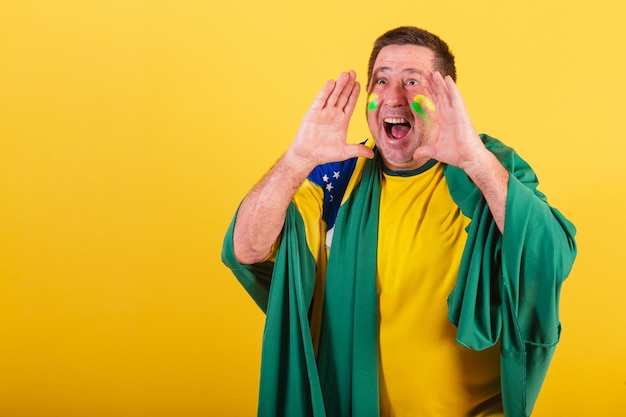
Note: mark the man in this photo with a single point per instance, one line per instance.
(417, 274)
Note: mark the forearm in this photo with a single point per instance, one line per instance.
(321, 138)
(261, 215)
(492, 179)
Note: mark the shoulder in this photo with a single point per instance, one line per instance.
(336, 180)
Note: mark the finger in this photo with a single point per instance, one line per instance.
(340, 85)
(357, 150)
(348, 89)
(322, 97)
(352, 99)
(425, 151)
(455, 94)
(437, 87)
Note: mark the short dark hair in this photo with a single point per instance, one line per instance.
(411, 35)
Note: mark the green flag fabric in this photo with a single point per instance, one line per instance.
(507, 290)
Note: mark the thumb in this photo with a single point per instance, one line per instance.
(425, 151)
(357, 150)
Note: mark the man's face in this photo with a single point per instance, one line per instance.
(400, 114)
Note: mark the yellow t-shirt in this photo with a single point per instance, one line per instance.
(423, 370)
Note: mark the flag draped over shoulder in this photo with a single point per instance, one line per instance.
(491, 300)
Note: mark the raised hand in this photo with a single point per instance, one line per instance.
(322, 134)
(321, 138)
(458, 143)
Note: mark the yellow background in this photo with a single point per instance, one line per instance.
(130, 130)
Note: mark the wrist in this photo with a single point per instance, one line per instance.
(483, 162)
(297, 164)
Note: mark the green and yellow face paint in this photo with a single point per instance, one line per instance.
(419, 103)
(372, 102)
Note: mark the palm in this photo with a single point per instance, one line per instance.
(323, 131)
(458, 142)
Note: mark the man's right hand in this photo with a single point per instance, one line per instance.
(322, 134)
(320, 139)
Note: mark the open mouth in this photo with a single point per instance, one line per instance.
(396, 127)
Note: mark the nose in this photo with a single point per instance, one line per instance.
(396, 95)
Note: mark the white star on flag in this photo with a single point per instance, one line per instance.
(336, 175)
(325, 178)
(329, 187)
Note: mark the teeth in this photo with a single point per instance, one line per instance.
(395, 120)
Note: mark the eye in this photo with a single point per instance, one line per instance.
(412, 82)
(381, 81)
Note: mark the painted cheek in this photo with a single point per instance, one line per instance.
(372, 102)
(417, 108)
(419, 103)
